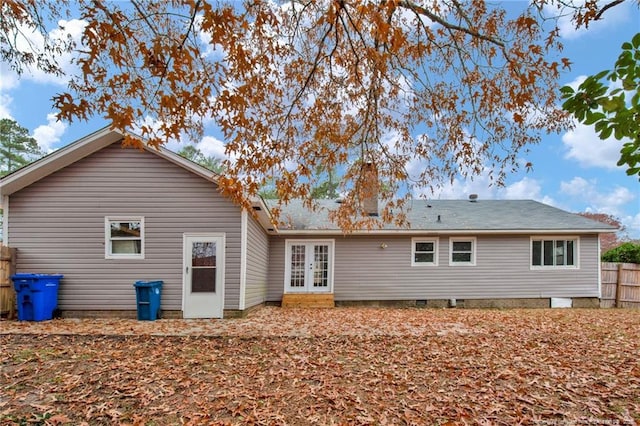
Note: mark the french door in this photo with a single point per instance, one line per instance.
(309, 266)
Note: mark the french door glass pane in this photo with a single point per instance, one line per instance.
(297, 265)
(320, 266)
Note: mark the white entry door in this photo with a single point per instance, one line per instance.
(203, 276)
(309, 267)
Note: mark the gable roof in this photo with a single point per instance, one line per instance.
(453, 217)
(456, 216)
(80, 149)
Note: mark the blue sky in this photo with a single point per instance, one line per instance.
(575, 171)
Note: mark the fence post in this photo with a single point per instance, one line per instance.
(7, 293)
(619, 285)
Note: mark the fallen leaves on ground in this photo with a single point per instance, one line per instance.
(334, 366)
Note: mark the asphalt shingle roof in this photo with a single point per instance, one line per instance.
(457, 215)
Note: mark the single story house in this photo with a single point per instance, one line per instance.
(105, 217)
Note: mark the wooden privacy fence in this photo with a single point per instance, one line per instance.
(620, 285)
(7, 293)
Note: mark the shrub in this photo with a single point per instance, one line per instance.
(626, 253)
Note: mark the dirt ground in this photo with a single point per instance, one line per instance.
(335, 366)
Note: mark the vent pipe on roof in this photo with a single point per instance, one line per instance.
(473, 197)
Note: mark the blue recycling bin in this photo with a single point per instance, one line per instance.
(37, 295)
(148, 299)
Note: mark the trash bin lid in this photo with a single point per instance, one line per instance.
(157, 283)
(32, 276)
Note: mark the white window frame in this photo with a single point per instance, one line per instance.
(107, 237)
(416, 240)
(554, 238)
(474, 249)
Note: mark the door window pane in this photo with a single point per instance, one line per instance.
(203, 254)
(297, 265)
(203, 280)
(320, 266)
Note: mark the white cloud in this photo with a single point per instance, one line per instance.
(632, 224)
(524, 189)
(9, 78)
(612, 18)
(589, 150)
(585, 192)
(5, 104)
(577, 82)
(73, 29)
(49, 134)
(28, 39)
(212, 147)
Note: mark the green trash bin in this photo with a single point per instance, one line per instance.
(148, 299)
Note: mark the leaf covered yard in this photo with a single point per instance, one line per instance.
(339, 366)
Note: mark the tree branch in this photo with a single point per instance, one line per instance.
(408, 4)
(606, 7)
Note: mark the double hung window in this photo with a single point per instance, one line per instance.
(124, 238)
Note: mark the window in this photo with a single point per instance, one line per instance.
(124, 238)
(424, 251)
(550, 252)
(463, 251)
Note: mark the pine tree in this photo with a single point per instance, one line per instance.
(17, 148)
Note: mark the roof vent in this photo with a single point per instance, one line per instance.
(473, 197)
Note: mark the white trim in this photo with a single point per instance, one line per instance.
(5, 220)
(444, 232)
(576, 252)
(599, 269)
(436, 243)
(287, 266)
(243, 258)
(474, 249)
(107, 237)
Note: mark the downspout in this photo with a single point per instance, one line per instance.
(243, 259)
